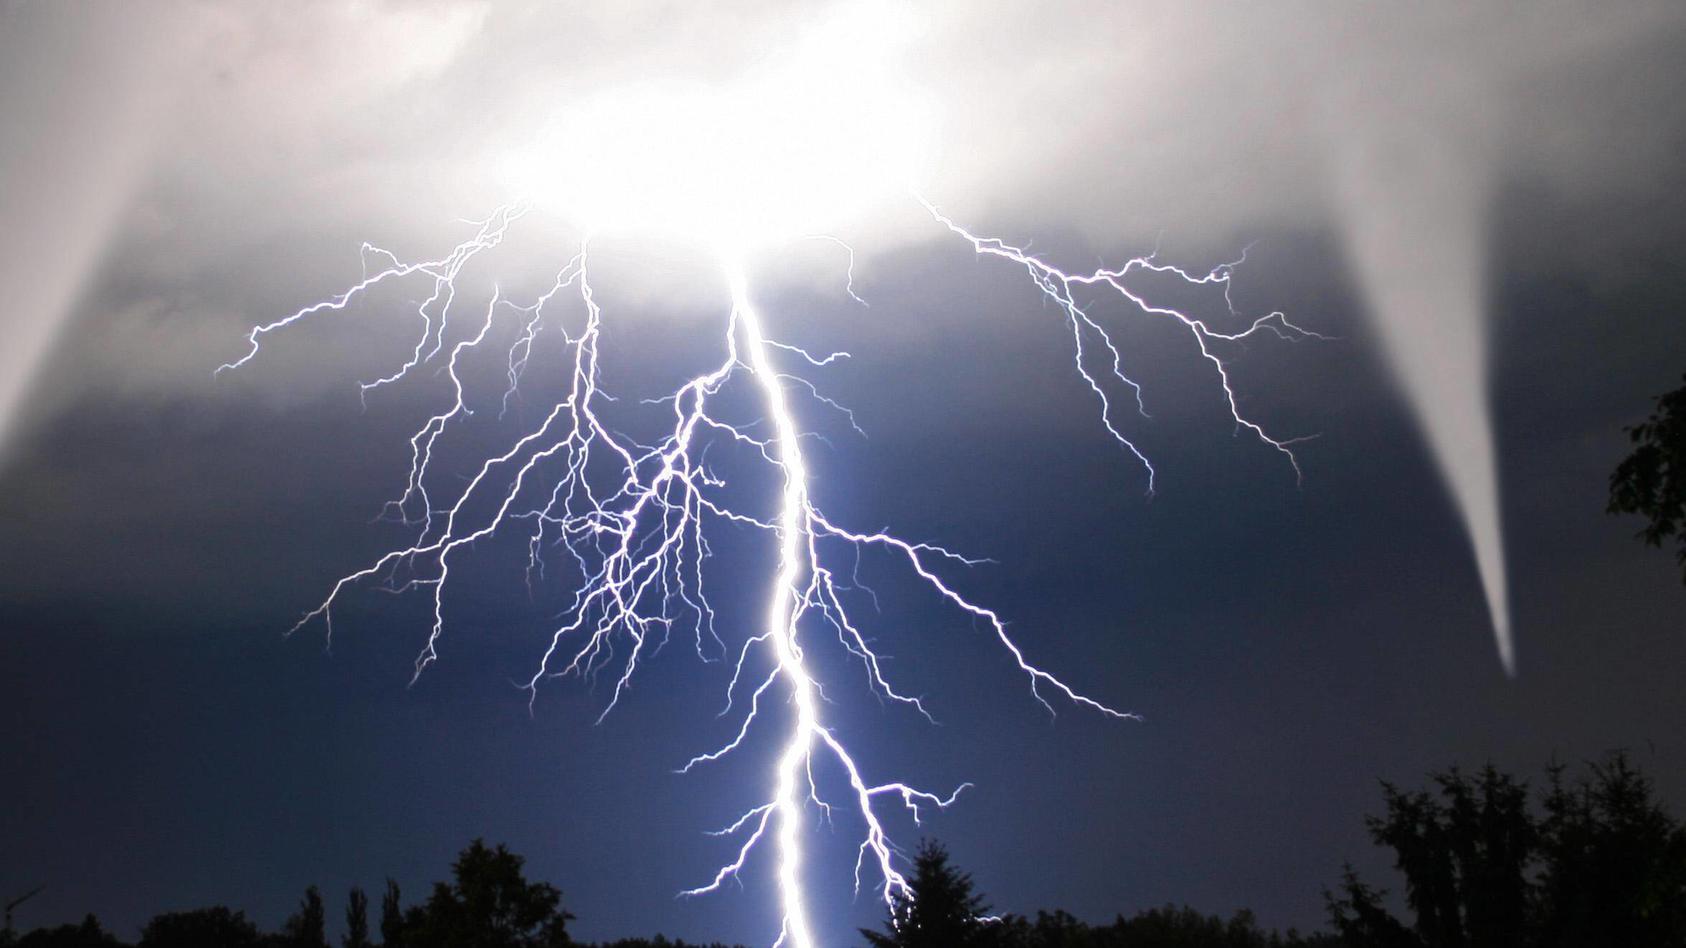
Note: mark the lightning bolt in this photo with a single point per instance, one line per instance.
(628, 523)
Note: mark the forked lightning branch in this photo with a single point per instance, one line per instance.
(825, 132)
(635, 520)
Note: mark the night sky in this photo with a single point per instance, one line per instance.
(1287, 645)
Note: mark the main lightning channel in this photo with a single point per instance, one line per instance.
(783, 602)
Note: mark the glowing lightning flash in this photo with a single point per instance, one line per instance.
(632, 517)
(629, 523)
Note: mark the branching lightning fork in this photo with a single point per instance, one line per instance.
(634, 520)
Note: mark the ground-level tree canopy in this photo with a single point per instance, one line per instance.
(1487, 861)
(1651, 481)
(488, 904)
(944, 910)
(1489, 864)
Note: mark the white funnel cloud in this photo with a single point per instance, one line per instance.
(1413, 202)
(187, 116)
(80, 103)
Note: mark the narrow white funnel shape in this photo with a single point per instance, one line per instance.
(1413, 204)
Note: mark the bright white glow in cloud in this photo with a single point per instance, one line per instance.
(740, 124)
(815, 136)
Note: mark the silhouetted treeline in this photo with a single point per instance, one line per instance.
(943, 910)
(658, 942)
(487, 904)
(1486, 863)
(1598, 861)
(1168, 927)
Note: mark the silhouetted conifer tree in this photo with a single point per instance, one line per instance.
(1606, 865)
(1614, 863)
(308, 927)
(356, 920)
(392, 916)
(1360, 919)
(942, 911)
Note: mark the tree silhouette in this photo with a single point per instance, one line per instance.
(1463, 851)
(1361, 920)
(392, 916)
(217, 927)
(1652, 480)
(661, 942)
(1165, 927)
(89, 934)
(306, 928)
(356, 920)
(1597, 862)
(1605, 865)
(1615, 862)
(490, 904)
(942, 911)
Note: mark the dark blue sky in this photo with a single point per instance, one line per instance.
(1287, 646)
